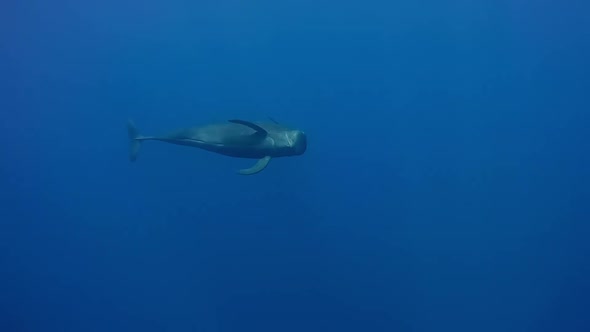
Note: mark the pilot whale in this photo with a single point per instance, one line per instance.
(262, 140)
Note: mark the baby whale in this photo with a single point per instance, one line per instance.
(235, 138)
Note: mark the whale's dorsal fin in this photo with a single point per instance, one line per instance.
(259, 130)
(259, 166)
(273, 120)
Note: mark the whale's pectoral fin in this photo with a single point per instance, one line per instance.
(259, 166)
(261, 132)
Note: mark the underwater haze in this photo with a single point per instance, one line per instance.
(445, 186)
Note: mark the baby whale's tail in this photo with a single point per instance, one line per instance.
(134, 140)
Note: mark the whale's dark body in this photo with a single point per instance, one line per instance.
(235, 138)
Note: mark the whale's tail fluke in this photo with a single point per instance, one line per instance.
(134, 141)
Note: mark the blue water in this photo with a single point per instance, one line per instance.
(445, 186)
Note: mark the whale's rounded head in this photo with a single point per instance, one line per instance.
(299, 140)
(289, 143)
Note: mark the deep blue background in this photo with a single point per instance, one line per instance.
(445, 187)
